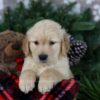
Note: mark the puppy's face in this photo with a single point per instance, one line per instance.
(45, 48)
(13, 49)
(46, 42)
(11, 43)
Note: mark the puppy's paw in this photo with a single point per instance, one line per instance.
(27, 82)
(48, 79)
(45, 85)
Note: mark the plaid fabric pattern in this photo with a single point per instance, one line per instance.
(65, 90)
(9, 90)
(9, 87)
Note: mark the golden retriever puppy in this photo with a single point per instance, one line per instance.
(45, 47)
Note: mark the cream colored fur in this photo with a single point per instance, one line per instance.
(57, 66)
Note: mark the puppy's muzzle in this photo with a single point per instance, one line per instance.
(43, 57)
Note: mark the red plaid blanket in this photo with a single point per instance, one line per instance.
(64, 90)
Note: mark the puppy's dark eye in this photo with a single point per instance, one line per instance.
(36, 42)
(51, 42)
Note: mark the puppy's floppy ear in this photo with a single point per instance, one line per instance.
(25, 47)
(65, 45)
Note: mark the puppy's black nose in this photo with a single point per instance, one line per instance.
(43, 57)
